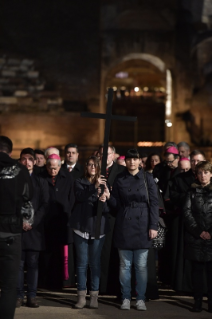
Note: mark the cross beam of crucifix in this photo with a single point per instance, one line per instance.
(108, 117)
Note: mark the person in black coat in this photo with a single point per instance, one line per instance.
(83, 222)
(15, 190)
(109, 283)
(76, 170)
(33, 240)
(136, 201)
(198, 239)
(57, 230)
(181, 269)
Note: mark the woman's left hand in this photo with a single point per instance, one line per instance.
(153, 233)
(102, 198)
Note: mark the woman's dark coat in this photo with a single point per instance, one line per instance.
(134, 216)
(61, 200)
(34, 239)
(198, 218)
(83, 216)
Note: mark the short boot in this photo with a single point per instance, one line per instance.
(94, 299)
(81, 301)
(32, 303)
(197, 307)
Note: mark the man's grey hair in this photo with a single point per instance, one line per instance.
(56, 151)
(183, 144)
(169, 144)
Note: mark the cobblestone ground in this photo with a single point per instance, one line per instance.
(60, 305)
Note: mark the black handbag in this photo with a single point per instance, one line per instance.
(159, 241)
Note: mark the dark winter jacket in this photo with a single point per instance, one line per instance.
(198, 218)
(34, 239)
(15, 189)
(83, 216)
(134, 216)
(61, 200)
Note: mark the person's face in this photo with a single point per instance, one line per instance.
(121, 162)
(171, 161)
(71, 155)
(40, 160)
(184, 166)
(53, 167)
(154, 161)
(110, 155)
(132, 164)
(143, 161)
(91, 168)
(28, 161)
(204, 177)
(195, 160)
(183, 152)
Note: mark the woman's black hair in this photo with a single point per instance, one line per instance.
(132, 153)
(148, 161)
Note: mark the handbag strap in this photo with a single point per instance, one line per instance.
(145, 183)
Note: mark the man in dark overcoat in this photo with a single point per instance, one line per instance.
(181, 184)
(58, 232)
(33, 239)
(76, 170)
(15, 189)
(109, 283)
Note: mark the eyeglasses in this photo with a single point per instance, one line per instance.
(170, 162)
(91, 165)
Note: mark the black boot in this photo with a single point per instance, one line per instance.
(197, 307)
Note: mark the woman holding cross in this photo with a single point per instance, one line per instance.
(83, 222)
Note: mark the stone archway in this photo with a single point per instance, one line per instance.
(148, 73)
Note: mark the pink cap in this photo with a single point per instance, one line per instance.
(121, 157)
(54, 156)
(184, 159)
(172, 150)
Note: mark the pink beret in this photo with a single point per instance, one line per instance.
(54, 156)
(121, 157)
(184, 159)
(172, 150)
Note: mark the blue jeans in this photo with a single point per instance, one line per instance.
(88, 252)
(31, 259)
(139, 258)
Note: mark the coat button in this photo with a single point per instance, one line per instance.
(137, 189)
(129, 190)
(56, 189)
(129, 218)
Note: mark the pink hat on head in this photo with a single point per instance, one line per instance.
(122, 157)
(184, 159)
(172, 150)
(54, 156)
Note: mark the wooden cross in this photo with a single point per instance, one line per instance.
(108, 117)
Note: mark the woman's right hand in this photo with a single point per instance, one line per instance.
(100, 181)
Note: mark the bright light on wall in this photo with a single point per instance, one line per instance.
(168, 93)
(150, 144)
(136, 89)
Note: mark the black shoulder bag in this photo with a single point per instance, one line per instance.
(159, 241)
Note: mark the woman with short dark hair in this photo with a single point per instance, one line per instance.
(198, 221)
(134, 196)
(83, 222)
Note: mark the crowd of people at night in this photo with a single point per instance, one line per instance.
(48, 223)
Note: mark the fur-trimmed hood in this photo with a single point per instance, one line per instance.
(199, 186)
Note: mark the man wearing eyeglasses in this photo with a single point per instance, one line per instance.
(110, 260)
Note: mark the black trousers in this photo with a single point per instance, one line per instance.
(10, 255)
(197, 278)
